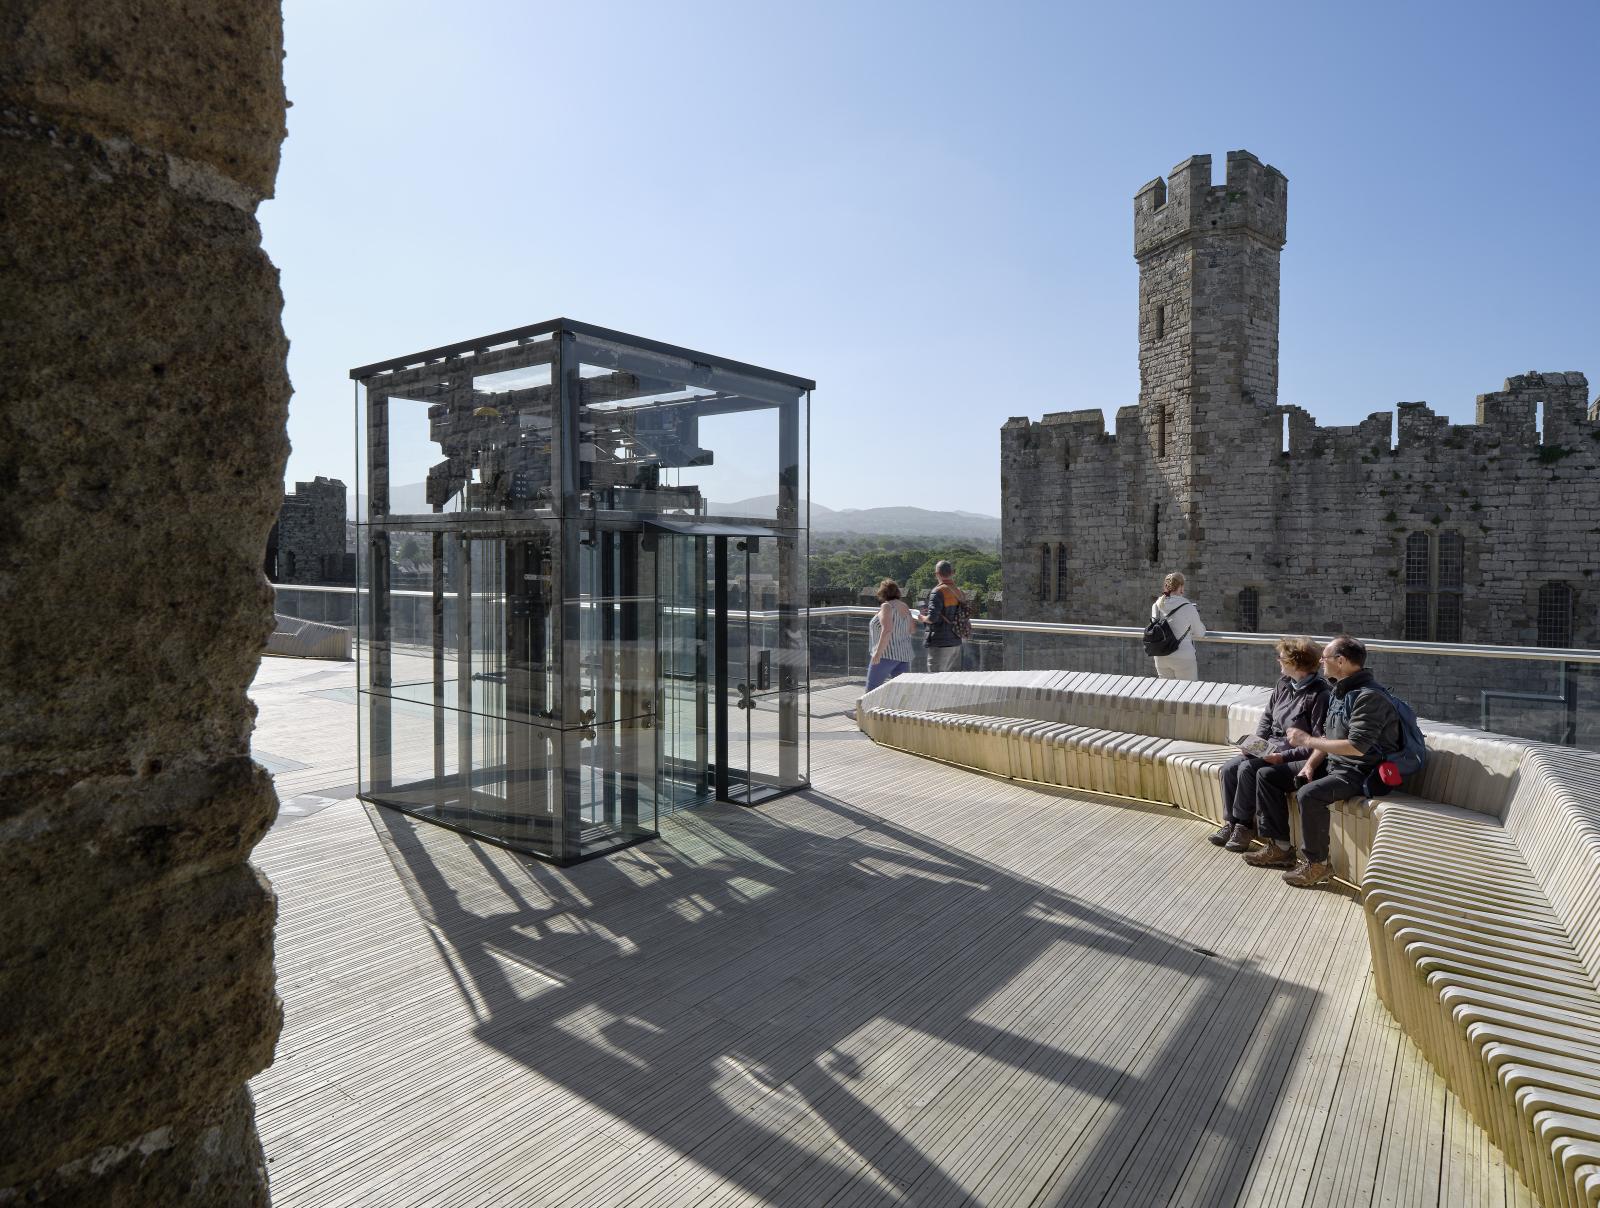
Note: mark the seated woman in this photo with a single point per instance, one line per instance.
(889, 636)
(1299, 701)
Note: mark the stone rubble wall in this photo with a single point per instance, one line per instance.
(142, 444)
(311, 533)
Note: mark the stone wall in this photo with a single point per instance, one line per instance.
(142, 444)
(1315, 526)
(307, 545)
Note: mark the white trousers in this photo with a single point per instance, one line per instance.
(1181, 665)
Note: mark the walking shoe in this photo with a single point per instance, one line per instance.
(1243, 838)
(1308, 873)
(1271, 856)
(1222, 835)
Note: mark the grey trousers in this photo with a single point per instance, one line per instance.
(944, 658)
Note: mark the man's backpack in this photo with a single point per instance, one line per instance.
(1412, 755)
(959, 615)
(1158, 635)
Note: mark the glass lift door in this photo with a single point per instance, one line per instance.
(687, 733)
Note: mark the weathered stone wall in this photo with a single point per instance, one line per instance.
(142, 442)
(1317, 531)
(310, 534)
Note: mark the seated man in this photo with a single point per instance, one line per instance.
(1362, 728)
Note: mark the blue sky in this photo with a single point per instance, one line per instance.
(928, 207)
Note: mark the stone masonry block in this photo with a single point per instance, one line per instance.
(139, 1012)
(141, 444)
(200, 79)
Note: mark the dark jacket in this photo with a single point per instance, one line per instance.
(1364, 718)
(942, 601)
(1294, 706)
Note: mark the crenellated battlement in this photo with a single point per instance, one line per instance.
(1506, 419)
(1404, 524)
(1254, 198)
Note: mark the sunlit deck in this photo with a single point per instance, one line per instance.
(914, 985)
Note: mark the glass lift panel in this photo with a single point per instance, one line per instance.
(567, 629)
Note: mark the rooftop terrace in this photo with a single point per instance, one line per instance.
(916, 984)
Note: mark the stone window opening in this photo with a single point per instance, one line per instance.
(1161, 320)
(1161, 433)
(1417, 566)
(1044, 573)
(1555, 615)
(1450, 576)
(1155, 532)
(1285, 447)
(1538, 423)
(1061, 572)
(1435, 572)
(1249, 610)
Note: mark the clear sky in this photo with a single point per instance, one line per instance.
(927, 207)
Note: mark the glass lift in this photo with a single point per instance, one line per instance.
(577, 616)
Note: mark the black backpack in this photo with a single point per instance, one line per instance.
(1158, 635)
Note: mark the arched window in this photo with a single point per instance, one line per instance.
(1044, 573)
(1417, 568)
(1061, 572)
(1452, 564)
(1555, 615)
(1249, 610)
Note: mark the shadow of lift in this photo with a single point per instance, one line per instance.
(819, 1015)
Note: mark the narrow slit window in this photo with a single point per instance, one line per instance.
(1155, 532)
(1044, 573)
(1061, 572)
(1161, 320)
(1555, 615)
(1249, 610)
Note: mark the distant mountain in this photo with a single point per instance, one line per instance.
(888, 522)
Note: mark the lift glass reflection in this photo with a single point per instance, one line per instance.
(582, 561)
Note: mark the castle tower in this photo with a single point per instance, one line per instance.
(1208, 330)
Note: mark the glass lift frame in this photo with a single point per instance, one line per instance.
(571, 640)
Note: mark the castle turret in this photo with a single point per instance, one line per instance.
(1208, 295)
(1208, 324)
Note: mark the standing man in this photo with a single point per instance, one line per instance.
(1361, 730)
(944, 639)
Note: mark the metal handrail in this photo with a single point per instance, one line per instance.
(1541, 654)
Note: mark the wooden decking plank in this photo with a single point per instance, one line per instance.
(912, 987)
(1410, 1161)
(1347, 1161)
(1286, 1154)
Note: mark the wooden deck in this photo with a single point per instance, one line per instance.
(915, 985)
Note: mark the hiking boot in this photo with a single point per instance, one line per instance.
(1308, 873)
(1271, 856)
(1223, 834)
(1243, 838)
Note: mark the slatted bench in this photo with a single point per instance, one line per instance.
(1485, 934)
(1480, 882)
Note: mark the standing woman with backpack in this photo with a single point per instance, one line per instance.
(1183, 619)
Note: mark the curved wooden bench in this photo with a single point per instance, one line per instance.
(1480, 882)
(1485, 937)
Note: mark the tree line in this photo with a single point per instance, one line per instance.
(861, 566)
